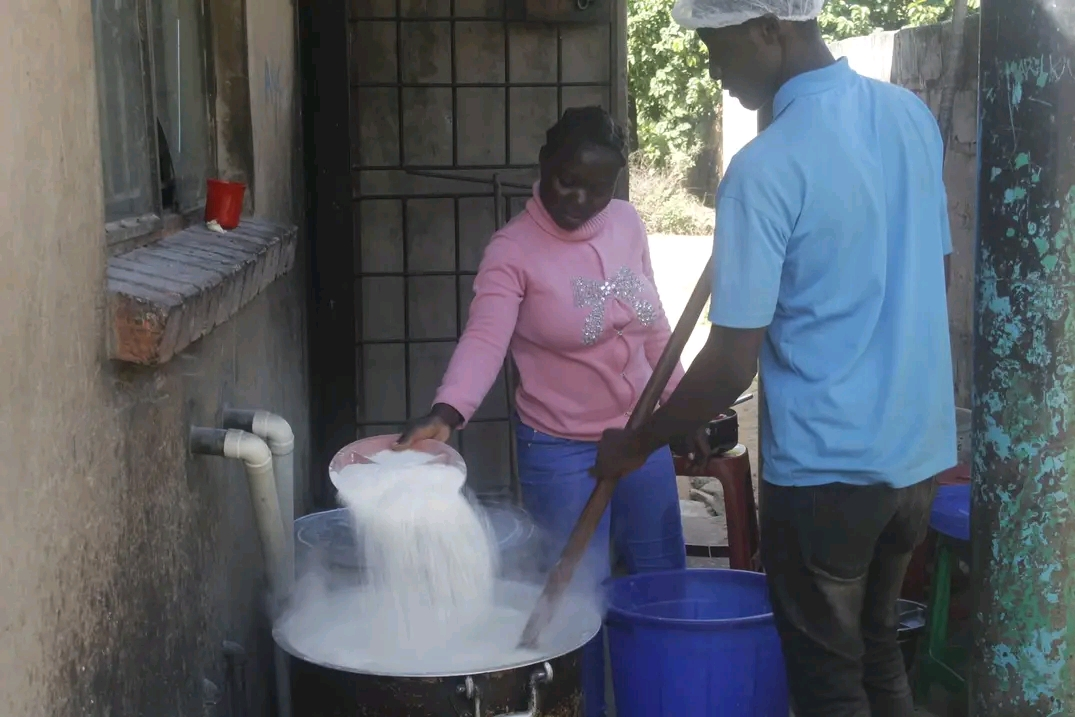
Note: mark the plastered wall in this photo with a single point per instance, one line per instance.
(125, 562)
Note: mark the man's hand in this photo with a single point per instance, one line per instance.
(699, 447)
(620, 452)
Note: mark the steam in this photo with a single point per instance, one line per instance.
(434, 595)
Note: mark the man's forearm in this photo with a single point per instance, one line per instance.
(719, 375)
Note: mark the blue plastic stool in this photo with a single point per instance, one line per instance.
(940, 663)
(695, 643)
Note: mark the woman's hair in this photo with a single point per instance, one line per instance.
(585, 125)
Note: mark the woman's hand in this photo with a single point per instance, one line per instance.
(437, 425)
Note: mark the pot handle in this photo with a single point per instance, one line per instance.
(538, 677)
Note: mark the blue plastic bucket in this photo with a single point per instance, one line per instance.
(695, 643)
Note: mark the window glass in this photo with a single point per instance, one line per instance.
(182, 101)
(126, 153)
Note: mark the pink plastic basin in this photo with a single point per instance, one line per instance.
(360, 452)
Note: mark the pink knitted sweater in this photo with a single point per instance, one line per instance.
(580, 313)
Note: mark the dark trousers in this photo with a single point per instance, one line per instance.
(836, 556)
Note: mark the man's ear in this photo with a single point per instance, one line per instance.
(769, 29)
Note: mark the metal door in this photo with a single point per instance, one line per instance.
(443, 91)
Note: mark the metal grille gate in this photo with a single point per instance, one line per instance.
(445, 91)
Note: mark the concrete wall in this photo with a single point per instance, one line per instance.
(914, 58)
(125, 562)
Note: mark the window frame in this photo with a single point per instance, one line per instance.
(130, 232)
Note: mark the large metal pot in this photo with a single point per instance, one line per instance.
(547, 687)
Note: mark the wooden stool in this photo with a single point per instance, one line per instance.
(732, 469)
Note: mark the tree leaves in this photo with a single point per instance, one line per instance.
(675, 104)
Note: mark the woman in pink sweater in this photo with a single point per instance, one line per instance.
(568, 288)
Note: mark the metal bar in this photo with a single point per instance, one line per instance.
(408, 342)
(494, 180)
(560, 73)
(454, 85)
(366, 424)
(442, 168)
(498, 202)
(435, 195)
(429, 18)
(407, 274)
(509, 363)
(1023, 430)
(474, 85)
(459, 437)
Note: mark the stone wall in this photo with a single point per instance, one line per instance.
(126, 562)
(913, 58)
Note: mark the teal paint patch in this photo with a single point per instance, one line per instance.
(1024, 302)
(1015, 194)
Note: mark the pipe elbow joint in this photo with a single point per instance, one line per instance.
(276, 431)
(247, 447)
(273, 429)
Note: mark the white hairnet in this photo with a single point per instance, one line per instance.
(715, 14)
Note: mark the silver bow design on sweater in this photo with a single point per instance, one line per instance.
(624, 285)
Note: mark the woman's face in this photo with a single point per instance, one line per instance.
(577, 185)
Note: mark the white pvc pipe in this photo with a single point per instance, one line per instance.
(277, 433)
(257, 457)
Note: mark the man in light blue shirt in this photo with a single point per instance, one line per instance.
(830, 268)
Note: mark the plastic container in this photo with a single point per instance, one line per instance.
(695, 643)
(224, 202)
(363, 450)
(912, 625)
(950, 514)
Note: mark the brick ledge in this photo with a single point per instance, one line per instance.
(164, 297)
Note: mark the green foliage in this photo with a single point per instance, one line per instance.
(676, 105)
(664, 206)
(850, 18)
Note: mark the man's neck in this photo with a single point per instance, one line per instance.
(807, 58)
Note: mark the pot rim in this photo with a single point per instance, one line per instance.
(282, 642)
(586, 635)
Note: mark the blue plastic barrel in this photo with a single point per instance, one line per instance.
(695, 643)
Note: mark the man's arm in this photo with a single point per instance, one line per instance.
(721, 372)
(755, 217)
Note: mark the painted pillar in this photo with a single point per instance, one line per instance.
(1023, 522)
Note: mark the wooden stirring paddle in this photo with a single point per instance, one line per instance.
(584, 529)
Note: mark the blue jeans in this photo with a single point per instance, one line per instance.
(642, 527)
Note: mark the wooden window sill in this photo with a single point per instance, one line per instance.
(164, 297)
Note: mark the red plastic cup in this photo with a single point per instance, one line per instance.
(224, 202)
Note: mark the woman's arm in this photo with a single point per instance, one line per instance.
(498, 291)
(660, 331)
